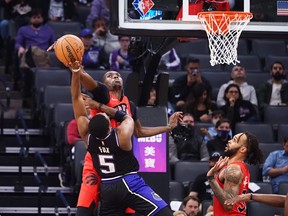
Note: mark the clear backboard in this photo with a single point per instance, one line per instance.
(159, 18)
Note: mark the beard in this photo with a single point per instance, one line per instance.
(231, 152)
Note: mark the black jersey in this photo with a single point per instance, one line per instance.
(109, 159)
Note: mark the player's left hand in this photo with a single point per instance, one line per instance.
(236, 199)
(218, 166)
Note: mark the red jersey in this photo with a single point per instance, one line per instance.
(239, 208)
(123, 105)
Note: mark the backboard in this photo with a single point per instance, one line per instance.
(158, 18)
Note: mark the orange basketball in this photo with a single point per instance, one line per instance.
(69, 48)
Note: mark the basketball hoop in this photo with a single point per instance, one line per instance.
(223, 29)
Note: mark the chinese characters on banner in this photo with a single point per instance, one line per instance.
(151, 153)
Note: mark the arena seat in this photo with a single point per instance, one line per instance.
(256, 208)
(176, 191)
(216, 79)
(282, 132)
(269, 147)
(265, 188)
(272, 58)
(62, 28)
(251, 63)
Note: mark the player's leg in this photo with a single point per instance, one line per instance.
(143, 199)
(89, 193)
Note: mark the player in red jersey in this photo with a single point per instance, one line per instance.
(230, 175)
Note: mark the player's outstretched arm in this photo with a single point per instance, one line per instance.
(79, 109)
(274, 200)
(140, 131)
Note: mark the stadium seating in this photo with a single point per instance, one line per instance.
(176, 191)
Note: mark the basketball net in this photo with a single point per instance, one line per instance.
(223, 30)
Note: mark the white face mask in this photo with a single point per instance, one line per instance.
(215, 120)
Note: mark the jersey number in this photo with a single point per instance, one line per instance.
(104, 162)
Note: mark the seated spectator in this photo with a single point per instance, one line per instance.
(119, 58)
(220, 140)
(236, 109)
(210, 132)
(275, 91)
(59, 10)
(179, 213)
(38, 35)
(170, 61)
(200, 104)
(185, 85)
(152, 98)
(186, 142)
(103, 38)
(276, 166)
(201, 187)
(190, 205)
(99, 8)
(83, 2)
(238, 75)
(93, 56)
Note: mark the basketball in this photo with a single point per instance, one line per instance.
(69, 48)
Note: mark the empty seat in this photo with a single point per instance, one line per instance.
(186, 171)
(54, 60)
(255, 173)
(173, 75)
(176, 191)
(44, 77)
(263, 48)
(269, 147)
(283, 188)
(83, 12)
(282, 132)
(96, 74)
(205, 64)
(62, 28)
(198, 46)
(257, 79)
(276, 115)
(251, 63)
(265, 188)
(216, 79)
(79, 155)
(242, 48)
(52, 96)
(256, 208)
(272, 58)
(263, 132)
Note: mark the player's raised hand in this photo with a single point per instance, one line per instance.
(218, 166)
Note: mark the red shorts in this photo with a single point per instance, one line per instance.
(89, 191)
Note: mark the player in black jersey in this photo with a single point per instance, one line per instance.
(112, 155)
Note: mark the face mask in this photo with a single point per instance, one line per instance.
(223, 134)
(36, 25)
(277, 76)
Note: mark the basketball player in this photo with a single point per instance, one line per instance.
(230, 176)
(89, 193)
(112, 156)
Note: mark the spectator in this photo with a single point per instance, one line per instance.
(59, 10)
(211, 132)
(238, 75)
(220, 140)
(276, 166)
(179, 213)
(83, 2)
(185, 85)
(93, 55)
(275, 91)
(99, 9)
(38, 35)
(119, 58)
(200, 187)
(170, 61)
(236, 109)
(190, 206)
(186, 143)
(200, 104)
(103, 38)
(72, 132)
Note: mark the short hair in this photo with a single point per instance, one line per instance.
(187, 198)
(36, 12)
(285, 139)
(277, 62)
(223, 120)
(99, 126)
(99, 19)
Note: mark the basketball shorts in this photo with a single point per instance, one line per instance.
(129, 191)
